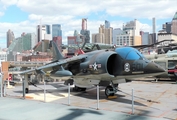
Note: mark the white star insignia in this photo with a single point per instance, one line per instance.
(95, 66)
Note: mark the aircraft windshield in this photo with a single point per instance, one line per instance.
(129, 53)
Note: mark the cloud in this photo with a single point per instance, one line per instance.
(142, 8)
(8, 2)
(145, 27)
(69, 14)
(1, 14)
(130, 8)
(57, 7)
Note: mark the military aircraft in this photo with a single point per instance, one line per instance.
(168, 61)
(100, 67)
(166, 56)
(170, 64)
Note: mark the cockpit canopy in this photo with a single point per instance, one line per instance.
(129, 53)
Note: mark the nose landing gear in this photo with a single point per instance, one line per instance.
(111, 89)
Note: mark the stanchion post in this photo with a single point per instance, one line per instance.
(97, 97)
(132, 101)
(23, 87)
(1, 84)
(44, 92)
(4, 89)
(68, 93)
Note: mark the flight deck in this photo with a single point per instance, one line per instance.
(152, 101)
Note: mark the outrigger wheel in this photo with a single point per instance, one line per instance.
(109, 91)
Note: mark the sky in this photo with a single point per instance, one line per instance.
(24, 15)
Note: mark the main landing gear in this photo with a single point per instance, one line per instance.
(111, 90)
(76, 88)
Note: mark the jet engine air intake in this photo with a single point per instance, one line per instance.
(107, 62)
(114, 65)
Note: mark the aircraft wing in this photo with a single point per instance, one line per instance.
(151, 45)
(54, 65)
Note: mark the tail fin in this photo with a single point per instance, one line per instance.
(57, 55)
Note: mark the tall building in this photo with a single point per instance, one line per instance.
(107, 24)
(84, 24)
(98, 38)
(23, 43)
(153, 25)
(107, 34)
(174, 24)
(153, 35)
(116, 32)
(48, 30)
(20, 44)
(130, 34)
(3, 56)
(169, 31)
(72, 41)
(126, 38)
(167, 36)
(84, 32)
(78, 37)
(43, 32)
(167, 27)
(145, 38)
(10, 37)
(29, 41)
(56, 30)
(57, 35)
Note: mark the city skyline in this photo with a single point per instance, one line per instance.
(23, 16)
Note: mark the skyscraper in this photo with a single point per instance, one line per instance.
(84, 32)
(10, 37)
(116, 32)
(84, 24)
(98, 38)
(145, 38)
(174, 24)
(78, 37)
(56, 30)
(169, 31)
(107, 24)
(71, 41)
(153, 31)
(107, 39)
(130, 34)
(57, 35)
(48, 31)
(43, 32)
(23, 43)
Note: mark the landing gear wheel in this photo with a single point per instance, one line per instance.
(79, 89)
(116, 85)
(83, 89)
(26, 90)
(109, 91)
(75, 88)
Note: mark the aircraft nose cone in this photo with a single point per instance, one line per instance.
(153, 68)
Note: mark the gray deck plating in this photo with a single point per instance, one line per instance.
(152, 101)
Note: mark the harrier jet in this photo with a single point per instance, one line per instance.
(100, 67)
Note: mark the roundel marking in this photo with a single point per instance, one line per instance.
(127, 67)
